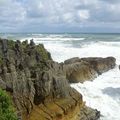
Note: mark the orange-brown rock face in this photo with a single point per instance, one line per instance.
(58, 109)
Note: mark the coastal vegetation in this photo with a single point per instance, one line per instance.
(6, 107)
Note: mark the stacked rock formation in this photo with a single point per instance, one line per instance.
(40, 87)
(82, 69)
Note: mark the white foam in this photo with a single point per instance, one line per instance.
(51, 38)
(98, 94)
(94, 50)
(116, 44)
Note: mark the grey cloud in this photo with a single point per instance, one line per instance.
(55, 14)
(111, 1)
(11, 14)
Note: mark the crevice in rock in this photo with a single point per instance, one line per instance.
(61, 107)
(46, 112)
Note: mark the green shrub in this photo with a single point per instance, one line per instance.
(11, 44)
(6, 108)
(43, 52)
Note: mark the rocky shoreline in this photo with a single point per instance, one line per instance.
(40, 87)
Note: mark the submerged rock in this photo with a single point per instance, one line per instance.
(86, 113)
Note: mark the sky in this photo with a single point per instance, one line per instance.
(60, 16)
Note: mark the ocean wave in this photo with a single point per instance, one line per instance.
(51, 39)
(103, 93)
(116, 44)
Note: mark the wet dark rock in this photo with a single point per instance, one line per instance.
(87, 113)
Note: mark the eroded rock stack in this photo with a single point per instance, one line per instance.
(82, 69)
(40, 87)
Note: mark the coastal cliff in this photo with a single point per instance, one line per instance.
(40, 87)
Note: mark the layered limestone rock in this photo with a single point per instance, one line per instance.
(101, 65)
(82, 69)
(79, 71)
(38, 85)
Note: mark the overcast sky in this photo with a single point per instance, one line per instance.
(59, 15)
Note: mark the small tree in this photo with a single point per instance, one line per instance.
(6, 108)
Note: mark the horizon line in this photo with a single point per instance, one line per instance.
(59, 32)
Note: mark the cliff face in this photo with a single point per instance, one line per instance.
(19, 61)
(37, 84)
(40, 87)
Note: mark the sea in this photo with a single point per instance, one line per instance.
(103, 93)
